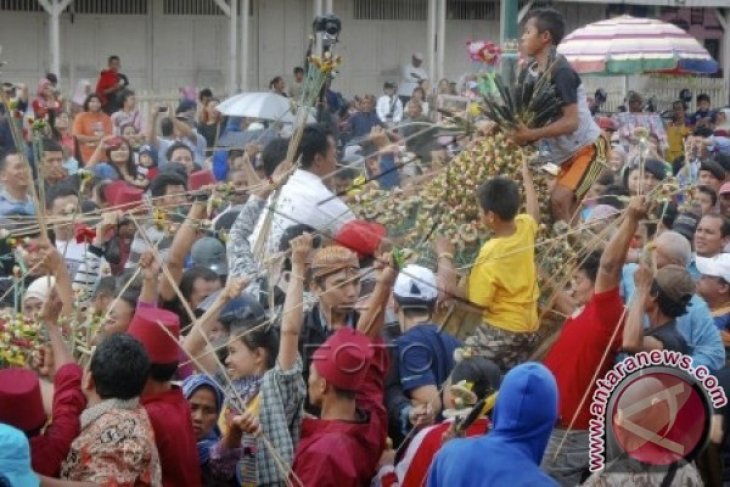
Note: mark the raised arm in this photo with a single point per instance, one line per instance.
(150, 277)
(195, 343)
(152, 126)
(180, 248)
(614, 255)
(531, 203)
(634, 339)
(293, 315)
(445, 271)
(372, 320)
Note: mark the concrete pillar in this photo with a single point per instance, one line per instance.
(233, 49)
(441, 38)
(726, 55)
(54, 8)
(245, 35)
(431, 41)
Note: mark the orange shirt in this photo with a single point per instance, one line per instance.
(90, 124)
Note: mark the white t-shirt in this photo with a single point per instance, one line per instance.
(410, 77)
(304, 199)
(389, 105)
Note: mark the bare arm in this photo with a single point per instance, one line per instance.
(372, 320)
(150, 277)
(184, 129)
(181, 245)
(614, 255)
(634, 339)
(293, 315)
(152, 127)
(195, 343)
(567, 124)
(445, 271)
(531, 203)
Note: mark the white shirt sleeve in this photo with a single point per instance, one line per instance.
(398, 112)
(382, 108)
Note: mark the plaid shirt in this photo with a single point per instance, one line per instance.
(282, 400)
(279, 405)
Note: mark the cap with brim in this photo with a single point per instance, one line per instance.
(714, 168)
(675, 283)
(686, 224)
(415, 285)
(725, 188)
(418, 56)
(209, 252)
(15, 466)
(656, 168)
(717, 266)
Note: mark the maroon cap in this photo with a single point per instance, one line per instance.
(122, 196)
(198, 179)
(361, 236)
(159, 343)
(21, 404)
(343, 360)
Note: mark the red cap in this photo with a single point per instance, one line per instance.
(344, 359)
(122, 196)
(198, 179)
(725, 188)
(160, 346)
(21, 404)
(361, 236)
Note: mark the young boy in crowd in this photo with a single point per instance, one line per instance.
(575, 141)
(503, 280)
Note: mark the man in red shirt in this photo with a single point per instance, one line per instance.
(578, 353)
(346, 382)
(110, 83)
(165, 404)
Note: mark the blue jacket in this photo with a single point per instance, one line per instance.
(524, 415)
(696, 326)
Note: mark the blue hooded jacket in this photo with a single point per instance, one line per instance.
(524, 416)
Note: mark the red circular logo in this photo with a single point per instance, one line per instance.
(659, 416)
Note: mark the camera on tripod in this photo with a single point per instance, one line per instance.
(329, 26)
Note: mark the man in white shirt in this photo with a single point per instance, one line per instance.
(306, 198)
(412, 74)
(389, 107)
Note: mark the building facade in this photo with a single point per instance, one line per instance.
(165, 44)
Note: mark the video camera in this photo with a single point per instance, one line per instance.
(329, 27)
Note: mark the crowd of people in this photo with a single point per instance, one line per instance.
(240, 325)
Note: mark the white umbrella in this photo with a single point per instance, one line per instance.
(266, 106)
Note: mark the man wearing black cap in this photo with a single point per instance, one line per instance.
(712, 174)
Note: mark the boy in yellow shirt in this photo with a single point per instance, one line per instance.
(503, 279)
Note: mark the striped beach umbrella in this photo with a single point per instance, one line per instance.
(630, 45)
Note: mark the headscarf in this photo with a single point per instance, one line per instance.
(189, 386)
(40, 288)
(42, 85)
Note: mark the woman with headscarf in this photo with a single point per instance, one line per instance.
(37, 294)
(45, 100)
(217, 459)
